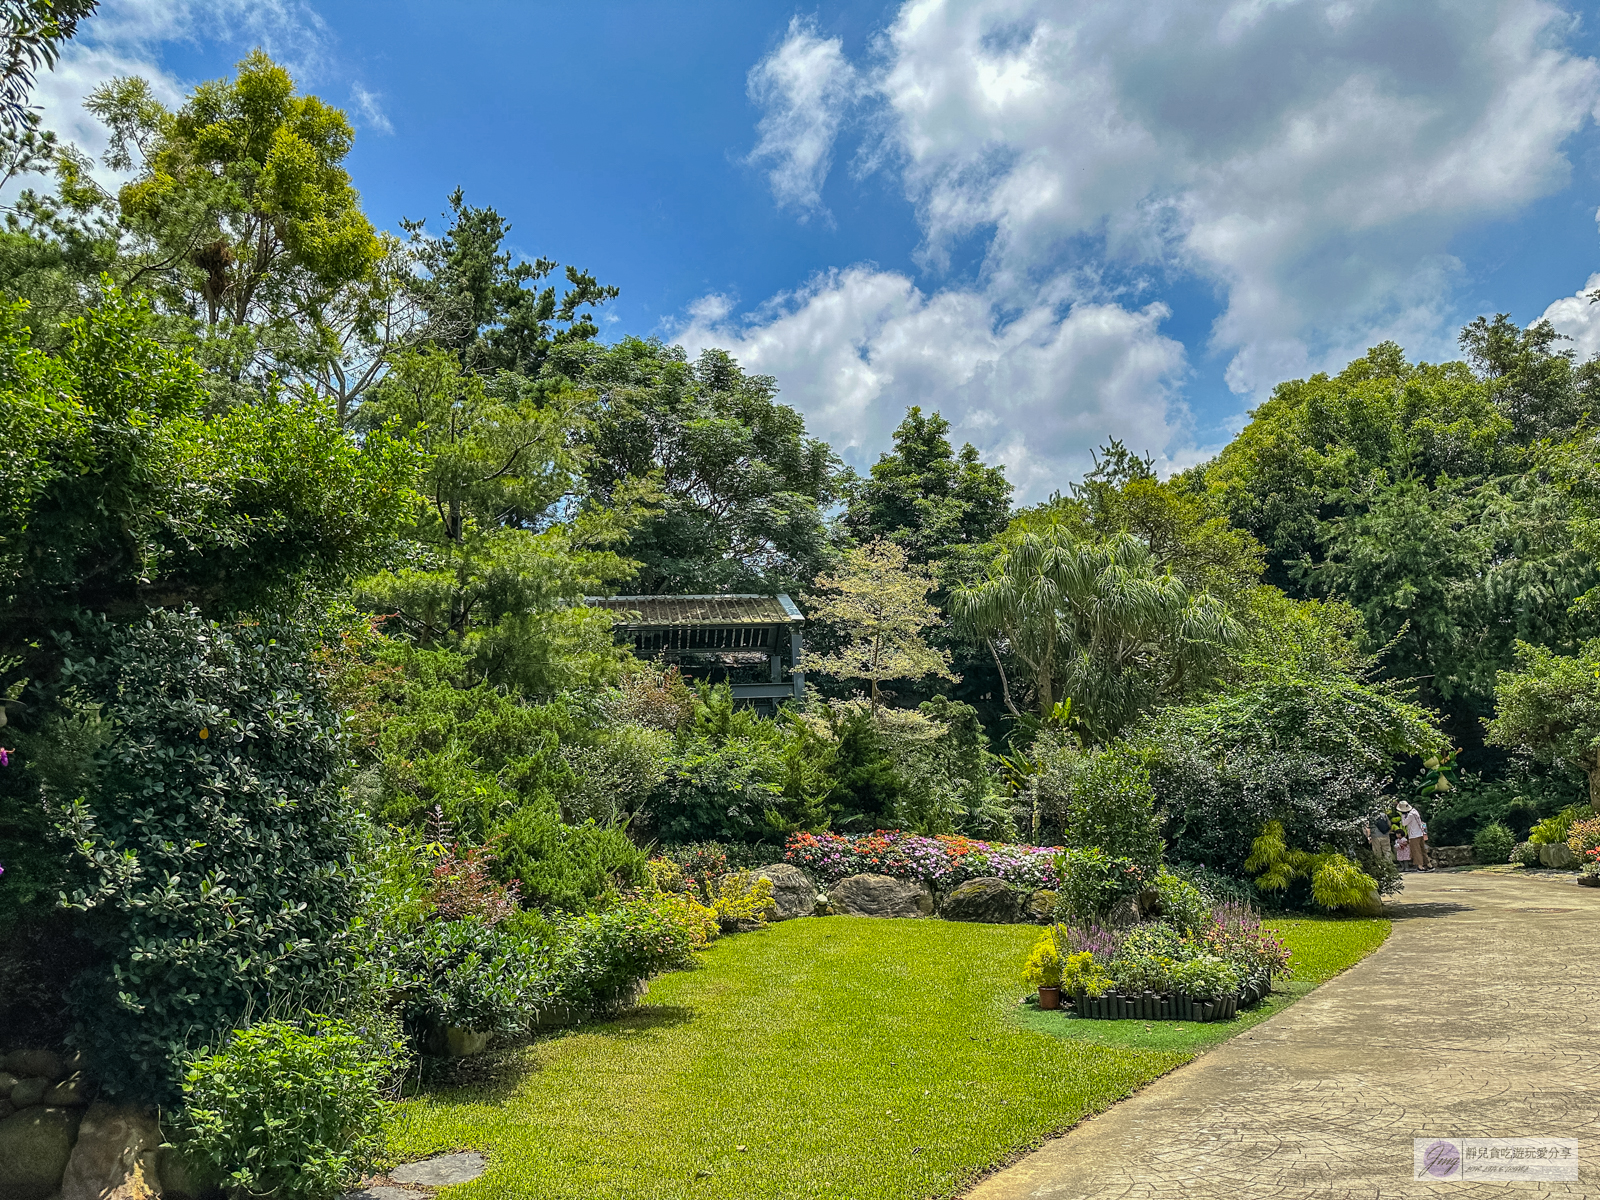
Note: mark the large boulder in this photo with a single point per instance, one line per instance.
(988, 900)
(792, 893)
(44, 1063)
(1558, 855)
(35, 1145)
(115, 1157)
(880, 896)
(1041, 907)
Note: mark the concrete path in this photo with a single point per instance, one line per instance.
(1480, 1017)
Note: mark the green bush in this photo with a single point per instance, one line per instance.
(604, 955)
(291, 1111)
(1525, 853)
(470, 975)
(1102, 800)
(1493, 844)
(1183, 906)
(216, 862)
(1092, 882)
(1552, 830)
(560, 866)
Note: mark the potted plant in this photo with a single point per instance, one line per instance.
(1043, 970)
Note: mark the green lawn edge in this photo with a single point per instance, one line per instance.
(830, 1057)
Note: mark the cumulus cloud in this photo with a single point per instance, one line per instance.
(1310, 159)
(1313, 160)
(1578, 318)
(1036, 390)
(804, 88)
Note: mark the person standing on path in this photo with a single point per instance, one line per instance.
(1378, 835)
(1417, 834)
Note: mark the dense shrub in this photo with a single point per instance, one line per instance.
(1102, 800)
(603, 956)
(1333, 880)
(289, 1110)
(1493, 844)
(215, 860)
(1090, 882)
(1183, 905)
(1557, 828)
(1526, 795)
(471, 975)
(568, 867)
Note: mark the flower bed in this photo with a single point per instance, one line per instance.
(941, 862)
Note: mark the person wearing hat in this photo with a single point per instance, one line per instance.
(1416, 832)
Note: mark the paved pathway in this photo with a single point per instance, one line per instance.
(1480, 1017)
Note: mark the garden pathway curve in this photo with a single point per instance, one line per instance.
(1479, 1017)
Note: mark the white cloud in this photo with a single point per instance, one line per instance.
(1579, 319)
(369, 107)
(1310, 159)
(1033, 389)
(124, 37)
(1313, 160)
(805, 88)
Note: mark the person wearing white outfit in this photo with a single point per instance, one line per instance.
(1416, 831)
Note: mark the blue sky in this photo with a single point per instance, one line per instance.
(1056, 222)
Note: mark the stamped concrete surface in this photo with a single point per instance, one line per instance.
(1479, 1017)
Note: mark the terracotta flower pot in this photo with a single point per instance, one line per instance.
(1049, 997)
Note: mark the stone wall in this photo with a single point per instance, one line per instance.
(58, 1142)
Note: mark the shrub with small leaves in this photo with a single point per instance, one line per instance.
(1493, 843)
(294, 1111)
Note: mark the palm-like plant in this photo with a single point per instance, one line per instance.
(1100, 622)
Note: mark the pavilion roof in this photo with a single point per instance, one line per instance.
(676, 612)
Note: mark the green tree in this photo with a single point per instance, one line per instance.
(1099, 623)
(480, 304)
(740, 489)
(488, 567)
(1548, 707)
(878, 602)
(33, 33)
(120, 489)
(926, 498)
(240, 207)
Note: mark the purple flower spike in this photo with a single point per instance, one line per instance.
(5, 757)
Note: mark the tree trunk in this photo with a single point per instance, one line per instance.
(1047, 697)
(1594, 787)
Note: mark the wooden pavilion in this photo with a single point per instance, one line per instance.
(743, 640)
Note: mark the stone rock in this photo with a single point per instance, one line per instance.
(180, 1179)
(1558, 856)
(880, 896)
(792, 893)
(73, 1090)
(35, 1062)
(35, 1145)
(7, 1108)
(1041, 907)
(444, 1170)
(988, 900)
(115, 1157)
(1124, 912)
(29, 1092)
(455, 1042)
(7, 1082)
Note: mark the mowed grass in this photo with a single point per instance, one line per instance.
(835, 1057)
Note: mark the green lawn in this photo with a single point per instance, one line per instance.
(836, 1057)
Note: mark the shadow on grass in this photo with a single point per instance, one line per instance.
(494, 1076)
